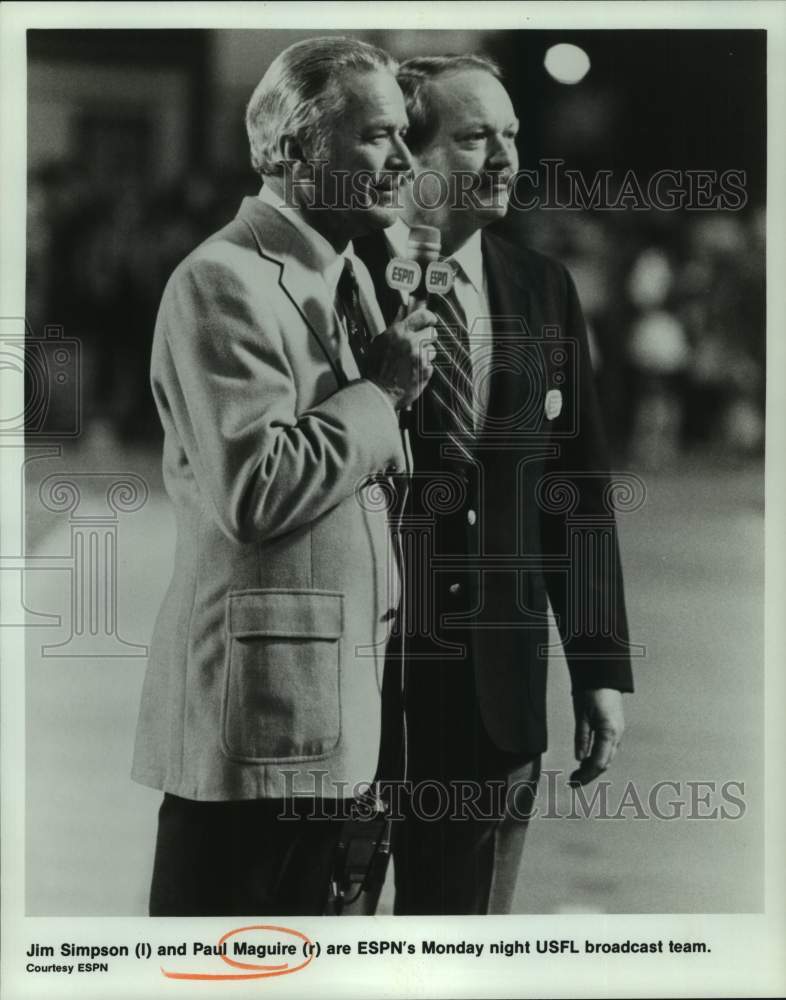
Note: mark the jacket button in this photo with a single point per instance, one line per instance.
(471, 518)
(454, 588)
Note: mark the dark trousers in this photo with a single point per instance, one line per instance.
(241, 859)
(459, 846)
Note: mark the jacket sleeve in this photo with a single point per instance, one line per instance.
(222, 376)
(588, 600)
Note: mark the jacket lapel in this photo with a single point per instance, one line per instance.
(300, 278)
(516, 353)
(509, 292)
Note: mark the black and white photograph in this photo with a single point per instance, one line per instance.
(391, 404)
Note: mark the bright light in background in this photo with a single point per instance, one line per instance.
(567, 63)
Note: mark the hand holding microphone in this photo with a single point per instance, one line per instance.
(403, 355)
(400, 358)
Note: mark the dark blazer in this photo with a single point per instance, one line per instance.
(539, 499)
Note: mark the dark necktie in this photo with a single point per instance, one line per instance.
(450, 391)
(350, 313)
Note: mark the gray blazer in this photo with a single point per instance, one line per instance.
(267, 656)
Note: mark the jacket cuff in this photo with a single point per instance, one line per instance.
(373, 417)
(587, 675)
(385, 396)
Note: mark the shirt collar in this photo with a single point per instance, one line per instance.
(397, 236)
(330, 263)
(469, 256)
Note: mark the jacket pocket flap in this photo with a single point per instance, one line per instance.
(290, 614)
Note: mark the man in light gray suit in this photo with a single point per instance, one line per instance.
(279, 406)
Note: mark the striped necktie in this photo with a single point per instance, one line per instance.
(349, 311)
(450, 388)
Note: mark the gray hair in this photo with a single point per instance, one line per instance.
(414, 76)
(300, 95)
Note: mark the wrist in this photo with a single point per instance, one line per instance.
(393, 396)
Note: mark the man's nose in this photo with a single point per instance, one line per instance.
(400, 157)
(502, 153)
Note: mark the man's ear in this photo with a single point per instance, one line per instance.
(291, 149)
(298, 169)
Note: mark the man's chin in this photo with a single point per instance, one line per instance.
(489, 213)
(369, 220)
(495, 202)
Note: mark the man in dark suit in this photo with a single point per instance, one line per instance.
(279, 408)
(507, 506)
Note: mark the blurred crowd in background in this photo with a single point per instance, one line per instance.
(674, 303)
(137, 152)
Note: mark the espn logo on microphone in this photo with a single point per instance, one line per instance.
(402, 274)
(439, 278)
(406, 275)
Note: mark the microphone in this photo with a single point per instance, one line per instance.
(421, 274)
(407, 276)
(423, 247)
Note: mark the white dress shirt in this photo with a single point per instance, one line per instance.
(471, 286)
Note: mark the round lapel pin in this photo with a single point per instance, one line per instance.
(553, 404)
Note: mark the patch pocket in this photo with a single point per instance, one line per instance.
(282, 671)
